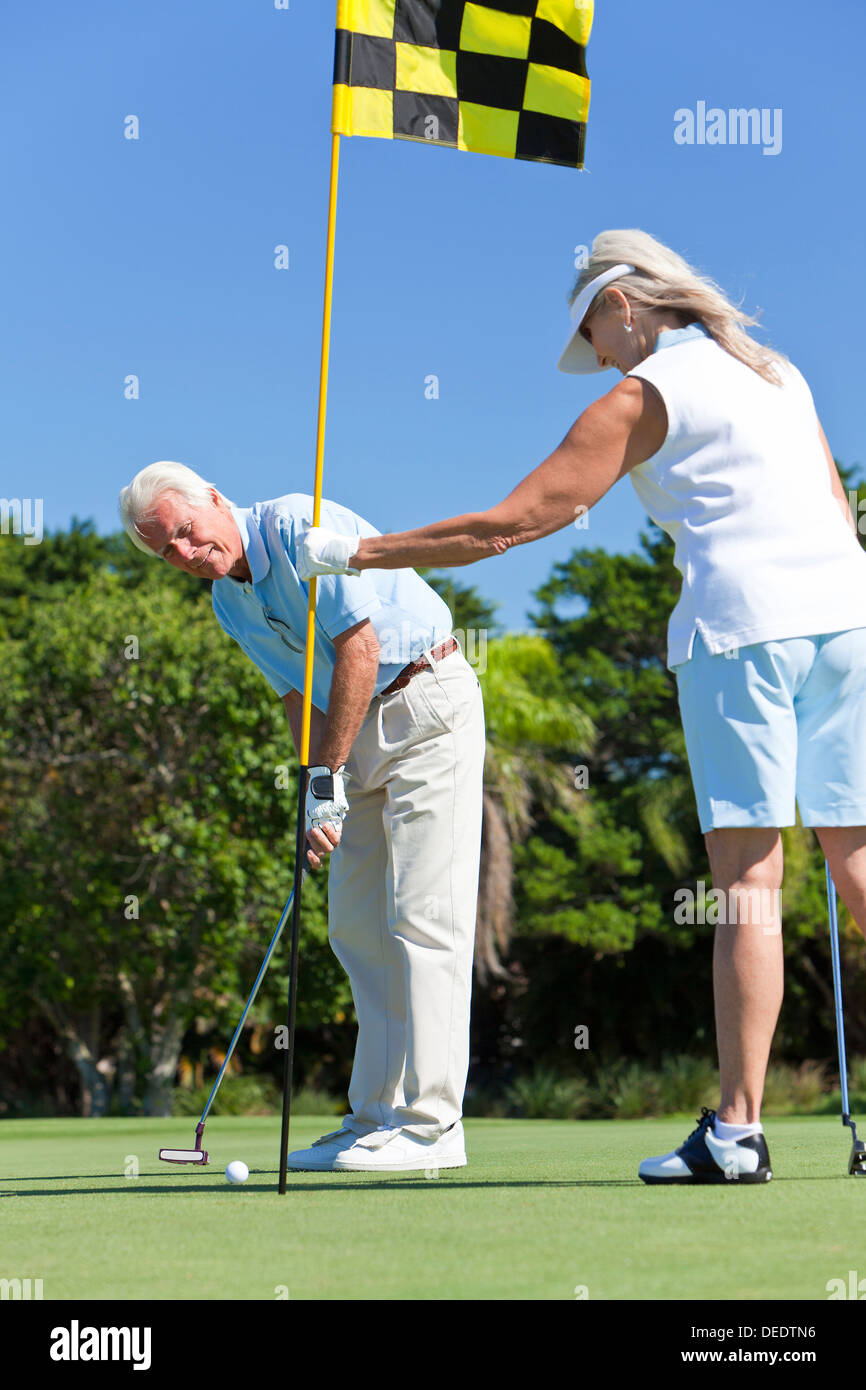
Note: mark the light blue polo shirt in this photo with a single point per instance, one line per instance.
(268, 617)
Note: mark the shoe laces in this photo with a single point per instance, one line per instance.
(705, 1120)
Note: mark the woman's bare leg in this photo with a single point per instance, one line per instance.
(747, 868)
(845, 851)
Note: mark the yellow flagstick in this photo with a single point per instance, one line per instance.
(301, 836)
(320, 438)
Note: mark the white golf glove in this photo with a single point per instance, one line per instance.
(324, 552)
(326, 802)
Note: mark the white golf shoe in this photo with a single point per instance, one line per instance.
(389, 1150)
(320, 1158)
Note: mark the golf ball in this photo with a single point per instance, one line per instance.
(237, 1171)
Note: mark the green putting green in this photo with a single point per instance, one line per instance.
(545, 1210)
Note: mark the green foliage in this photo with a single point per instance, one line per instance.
(562, 892)
(607, 878)
(524, 701)
(238, 1095)
(795, 1090)
(543, 1095)
(857, 1076)
(626, 1089)
(308, 1100)
(534, 731)
(31, 576)
(253, 1095)
(613, 653)
(686, 1083)
(469, 610)
(149, 846)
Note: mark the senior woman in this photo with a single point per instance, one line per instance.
(723, 446)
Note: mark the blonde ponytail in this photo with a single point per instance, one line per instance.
(664, 280)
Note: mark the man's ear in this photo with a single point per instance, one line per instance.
(215, 497)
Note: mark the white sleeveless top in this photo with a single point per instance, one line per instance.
(741, 485)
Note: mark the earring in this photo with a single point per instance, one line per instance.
(627, 327)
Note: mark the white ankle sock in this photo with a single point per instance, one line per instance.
(724, 1131)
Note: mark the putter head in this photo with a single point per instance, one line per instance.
(184, 1156)
(198, 1154)
(857, 1161)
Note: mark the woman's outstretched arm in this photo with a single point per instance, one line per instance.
(614, 435)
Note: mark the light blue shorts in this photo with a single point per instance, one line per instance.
(776, 723)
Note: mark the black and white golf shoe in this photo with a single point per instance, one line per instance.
(706, 1158)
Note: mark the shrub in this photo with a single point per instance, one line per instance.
(626, 1091)
(309, 1101)
(810, 1085)
(238, 1095)
(545, 1095)
(687, 1083)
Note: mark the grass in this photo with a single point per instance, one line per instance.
(543, 1208)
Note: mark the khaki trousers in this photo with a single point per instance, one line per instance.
(403, 889)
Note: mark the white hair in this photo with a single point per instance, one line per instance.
(664, 280)
(139, 499)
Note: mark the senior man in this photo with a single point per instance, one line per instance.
(398, 727)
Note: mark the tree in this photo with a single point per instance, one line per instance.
(535, 735)
(147, 790)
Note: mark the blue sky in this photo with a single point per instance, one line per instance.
(155, 257)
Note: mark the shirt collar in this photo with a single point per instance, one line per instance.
(255, 549)
(669, 337)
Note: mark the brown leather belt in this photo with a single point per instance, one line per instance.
(414, 667)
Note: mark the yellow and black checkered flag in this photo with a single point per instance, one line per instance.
(505, 78)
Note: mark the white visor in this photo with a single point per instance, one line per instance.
(579, 356)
